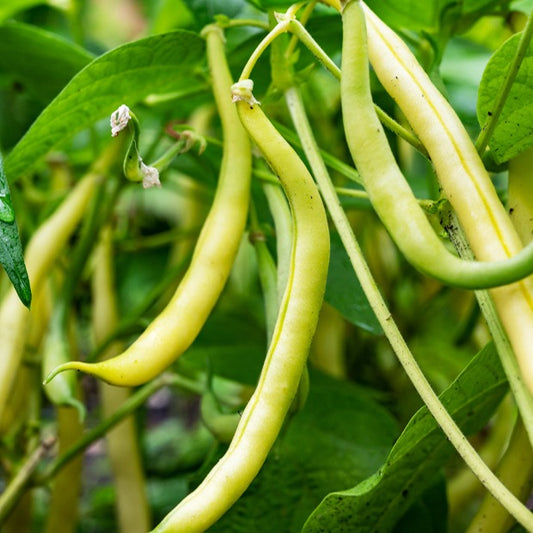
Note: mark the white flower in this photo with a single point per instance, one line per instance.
(119, 119)
(150, 176)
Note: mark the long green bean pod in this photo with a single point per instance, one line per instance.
(462, 176)
(41, 253)
(264, 415)
(176, 327)
(389, 192)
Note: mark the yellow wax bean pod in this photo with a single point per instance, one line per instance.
(263, 417)
(176, 327)
(462, 176)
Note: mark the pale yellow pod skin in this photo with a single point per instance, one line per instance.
(463, 178)
(263, 417)
(46, 245)
(177, 326)
(520, 194)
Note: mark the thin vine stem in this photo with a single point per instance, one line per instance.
(359, 194)
(289, 23)
(20, 482)
(331, 161)
(385, 319)
(488, 128)
(267, 271)
(307, 39)
(129, 406)
(280, 28)
(304, 18)
(224, 23)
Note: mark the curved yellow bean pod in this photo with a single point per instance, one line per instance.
(176, 327)
(287, 354)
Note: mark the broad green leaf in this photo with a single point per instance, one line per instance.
(10, 7)
(431, 16)
(39, 61)
(344, 292)
(471, 6)
(514, 129)
(11, 256)
(409, 14)
(125, 75)
(429, 514)
(525, 6)
(34, 66)
(422, 450)
(170, 14)
(341, 434)
(204, 11)
(222, 348)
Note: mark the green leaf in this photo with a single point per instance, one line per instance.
(11, 256)
(269, 4)
(10, 7)
(471, 6)
(429, 16)
(34, 66)
(422, 450)
(170, 14)
(341, 434)
(514, 129)
(39, 61)
(204, 11)
(409, 14)
(344, 292)
(429, 514)
(126, 75)
(222, 348)
(525, 6)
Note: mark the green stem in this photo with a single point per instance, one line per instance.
(499, 103)
(16, 488)
(281, 214)
(288, 23)
(352, 193)
(304, 18)
(522, 396)
(134, 402)
(331, 161)
(269, 178)
(101, 206)
(393, 334)
(306, 38)
(236, 23)
(279, 29)
(158, 240)
(268, 276)
(75, 17)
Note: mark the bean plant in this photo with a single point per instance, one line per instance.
(266, 266)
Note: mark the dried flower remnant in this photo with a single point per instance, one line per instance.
(150, 176)
(119, 119)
